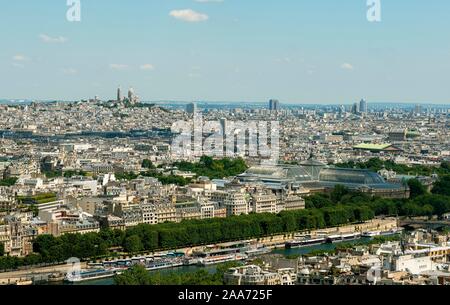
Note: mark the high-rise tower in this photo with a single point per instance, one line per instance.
(363, 106)
(119, 94)
(274, 105)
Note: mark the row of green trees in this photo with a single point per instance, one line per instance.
(50, 249)
(167, 179)
(376, 164)
(164, 179)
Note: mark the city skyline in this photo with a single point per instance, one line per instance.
(227, 51)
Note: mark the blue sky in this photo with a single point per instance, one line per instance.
(317, 51)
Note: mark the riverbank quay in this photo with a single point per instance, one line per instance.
(46, 274)
(381, 224)
(35, 275)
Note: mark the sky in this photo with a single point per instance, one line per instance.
(297, 51)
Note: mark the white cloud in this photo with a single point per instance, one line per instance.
(118, 66)
(49, 39)
(347, 66)
(20, 57)
(284, 60)
(70, 71)
(188, 15)
(147, 67)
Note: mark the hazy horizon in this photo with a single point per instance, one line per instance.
(265, 103)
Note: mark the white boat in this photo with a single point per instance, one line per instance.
(371, 234)
(219, 259)
(306, 241)
(190, 261)
(343, 237)
(257, 251)
(158, 265)
(87, 275)
(392, 232)
(382, 233)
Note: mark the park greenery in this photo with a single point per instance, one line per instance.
(214, 169)
(138, 275)
(8, 181)
(207, 167)
(53, 174)
(148, 164)
(37, 199)
(164, 179)
(442, 186)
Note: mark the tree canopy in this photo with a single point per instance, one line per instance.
(214, 169)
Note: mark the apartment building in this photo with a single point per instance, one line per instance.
(236, 203)
(263, 202)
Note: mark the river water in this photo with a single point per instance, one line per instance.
(185, 269)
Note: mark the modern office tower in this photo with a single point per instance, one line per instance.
(191, 108)
(418, 109)
(355, 108)
(274, 105)
(363, 106)
(224, 126)
(341, 109)
(119, 94)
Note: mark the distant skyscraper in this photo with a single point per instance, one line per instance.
(418, 109)
(355, 108)
(274, 105)
(191, 108)
(119, 94)
(363, 106)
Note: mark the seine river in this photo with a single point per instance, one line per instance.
(185, 269)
